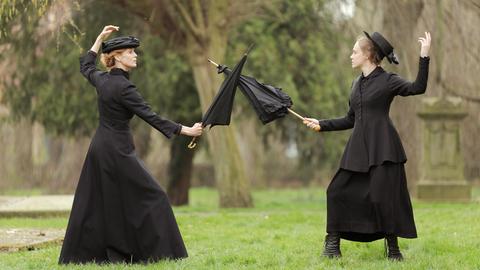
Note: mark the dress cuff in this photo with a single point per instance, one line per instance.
(92, 53)
(323, 125)
(178, 129)
(424, 59)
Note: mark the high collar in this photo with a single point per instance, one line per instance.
(377, 71)
(119, 71)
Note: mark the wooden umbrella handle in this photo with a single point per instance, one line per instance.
(192, 143)
(317, 128)
(296, 114)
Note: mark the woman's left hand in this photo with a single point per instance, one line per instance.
(425, 41)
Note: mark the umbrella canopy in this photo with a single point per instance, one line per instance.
(269, 102)
(221, 108)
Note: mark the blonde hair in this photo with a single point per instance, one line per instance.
(108, 59)
(367, 47)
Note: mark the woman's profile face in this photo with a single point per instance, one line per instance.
(358, 57)
(128, 58)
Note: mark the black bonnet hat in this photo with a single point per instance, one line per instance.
(385, 49)
(120, 43)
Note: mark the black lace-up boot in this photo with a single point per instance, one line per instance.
(332, 246)
(391, 248)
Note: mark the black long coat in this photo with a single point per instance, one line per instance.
(374, 138)
(368, 196)
(120, 213)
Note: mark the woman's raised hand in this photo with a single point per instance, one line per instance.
(107, 30)
(425, 41)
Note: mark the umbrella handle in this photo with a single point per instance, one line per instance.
(192, 143)
(296, 114)
(301, 118)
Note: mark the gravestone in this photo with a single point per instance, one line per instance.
(35, 206)
(442, 168)
(21, 239)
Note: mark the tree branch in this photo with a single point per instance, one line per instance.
(187, 19)
(473, 3)
(130, 8)
(240, 11)
(197, 9)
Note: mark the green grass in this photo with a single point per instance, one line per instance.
(285, 230)
(22, 192)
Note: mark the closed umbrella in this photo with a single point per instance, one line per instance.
(220, 110)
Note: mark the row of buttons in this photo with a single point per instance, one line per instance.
(361, 98)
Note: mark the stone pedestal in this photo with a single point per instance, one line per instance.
(441, 170)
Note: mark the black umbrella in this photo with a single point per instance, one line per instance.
(220, 110)
(269, 102)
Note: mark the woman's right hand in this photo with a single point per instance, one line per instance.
(193, 131)
(312, 123)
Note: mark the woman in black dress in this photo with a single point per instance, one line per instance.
(368, 197)
(120, 213)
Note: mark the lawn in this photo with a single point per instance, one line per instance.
(285, 230)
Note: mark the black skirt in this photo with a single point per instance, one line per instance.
(366, 206)
(119, 213)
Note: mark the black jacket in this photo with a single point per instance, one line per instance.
(118, 98)
(374, 138)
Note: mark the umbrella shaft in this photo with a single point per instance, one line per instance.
(296, 114)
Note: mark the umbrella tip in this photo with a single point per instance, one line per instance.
(211, 61)
(249, 48)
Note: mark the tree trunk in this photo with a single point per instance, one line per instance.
(205, 26)
(232, 182)
(180, 170)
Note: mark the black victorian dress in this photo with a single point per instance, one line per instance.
(119, 213)
(368, 196)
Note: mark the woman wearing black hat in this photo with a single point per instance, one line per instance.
(120, 213)
(368, 197)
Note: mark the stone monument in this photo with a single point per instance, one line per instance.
(442, 168)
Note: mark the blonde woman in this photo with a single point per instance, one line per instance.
(368, 197)
(120, 213)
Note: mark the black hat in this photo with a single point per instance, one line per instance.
(385, 49)
(120, 43)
